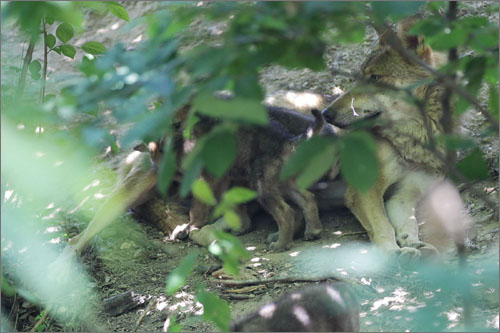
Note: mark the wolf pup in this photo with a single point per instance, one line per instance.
(407, 168)
(262, 152)
(331, 307)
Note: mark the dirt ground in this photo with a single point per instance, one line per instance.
(131, 256)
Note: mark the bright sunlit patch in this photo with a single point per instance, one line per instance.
(338, 232)
(494, 323)
(39, 154)
(122, 70)
(8, 194)
(58, 163)
(39, 130)
(137, 39)
(454, 317)
(251, 248)
(304, 99)
(23, 250)
(132, 156)
(161, 303)
(52, 229)
(363, 251)
(115, 26)
(294, 254)
(56, 240)
(131, 78)
(337, 90)
(8, 246)
(20, 127)
(301, 315)
(255, 259)
(366, 282)
(99, 196)
(334, 294)
(332, 246)
(267, 310)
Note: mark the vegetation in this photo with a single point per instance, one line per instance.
(146, 86)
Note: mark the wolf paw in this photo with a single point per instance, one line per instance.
(278, 247)
(311, 234)
(407, 257)
(427, 250)
(273, 237)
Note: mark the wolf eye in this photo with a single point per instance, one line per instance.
(374, 78)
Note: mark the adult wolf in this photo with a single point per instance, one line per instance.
(388, 211)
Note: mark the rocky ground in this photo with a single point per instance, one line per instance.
(132, 256)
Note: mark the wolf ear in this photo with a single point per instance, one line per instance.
(414, 42)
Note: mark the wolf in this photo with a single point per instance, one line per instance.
(389, 210)
(329, 307)
(262, 152)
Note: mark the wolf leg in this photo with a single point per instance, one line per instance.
(401, 210)
(305, 200)
(283, 214)
(368, 207)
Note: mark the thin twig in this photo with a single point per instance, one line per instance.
(44, 73)
(41, 320)
(151, 303)
(24, 71)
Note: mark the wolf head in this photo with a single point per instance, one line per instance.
(386, 67)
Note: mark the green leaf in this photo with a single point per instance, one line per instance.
(454, 142)
(7, 288)
(68, 51)
(14, 68)
(190, 175)
(445, 41)
(167, 169)
(65, 32)
(35, 67)
(239, 109)
(303, 54)
(473, 22)
(232, 219)
(239, 195)
(229, 249)
(57, 49)
(203, 192)
(36, 76)
(428, 27)
(177, 278)
(174, 325)
(118, 10)
(219, 152)
(94, 48)
(49, 20)
(306, 151)
(215, 309)
(395, 9)
(474, 166)
(358, 160)
(317, 167)
(493, 101)
(50, 41)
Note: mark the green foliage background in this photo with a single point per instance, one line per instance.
(148, 85)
